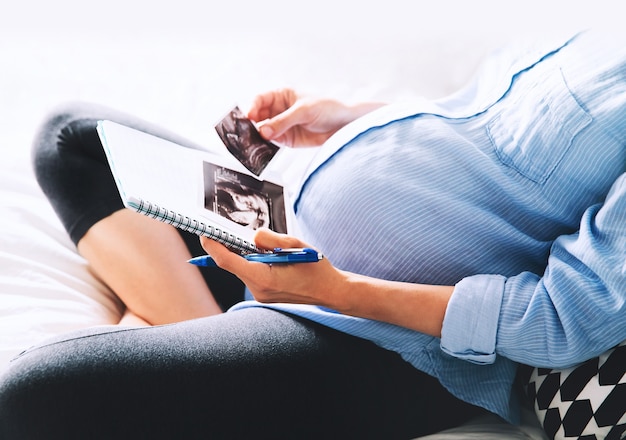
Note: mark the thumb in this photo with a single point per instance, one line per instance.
(268, 239)
(276, 127)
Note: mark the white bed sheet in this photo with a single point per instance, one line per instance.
(45, 286)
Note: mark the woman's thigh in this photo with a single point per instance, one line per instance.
(254, 373)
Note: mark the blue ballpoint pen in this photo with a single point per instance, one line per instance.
(279, 256)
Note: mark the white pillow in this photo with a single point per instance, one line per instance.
(585, 401)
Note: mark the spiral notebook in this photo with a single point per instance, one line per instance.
(207, 192)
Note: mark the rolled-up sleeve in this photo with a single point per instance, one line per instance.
(574, 311)
(471, 322)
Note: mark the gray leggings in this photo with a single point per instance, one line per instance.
(254, 373)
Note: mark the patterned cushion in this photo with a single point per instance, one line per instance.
(585, 402)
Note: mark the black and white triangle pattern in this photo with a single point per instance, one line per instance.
(586, 402)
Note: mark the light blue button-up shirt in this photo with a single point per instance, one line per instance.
(513, 190)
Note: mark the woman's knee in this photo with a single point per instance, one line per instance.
(53, 132)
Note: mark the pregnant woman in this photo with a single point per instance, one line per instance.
(463, 237)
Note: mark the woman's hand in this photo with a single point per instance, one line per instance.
(301, 283)
(417, 306)
(296, 121)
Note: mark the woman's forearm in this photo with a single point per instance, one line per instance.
(416, 306)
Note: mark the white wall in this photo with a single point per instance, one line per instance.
(182, 63)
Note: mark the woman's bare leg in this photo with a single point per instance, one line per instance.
(141, 259)
(129, 319)
(144, 262)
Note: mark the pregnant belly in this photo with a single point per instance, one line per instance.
(403, 207)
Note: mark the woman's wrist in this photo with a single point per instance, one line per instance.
(356, 111)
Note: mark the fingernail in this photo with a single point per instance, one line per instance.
(266, 132)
